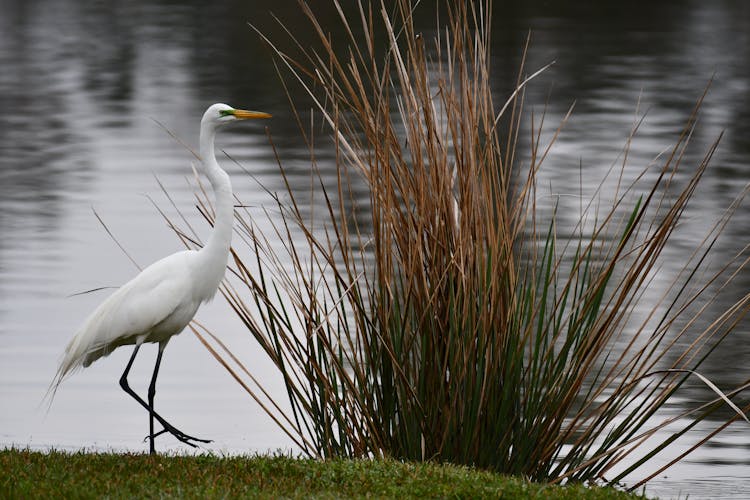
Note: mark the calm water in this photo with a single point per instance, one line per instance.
(81, 89)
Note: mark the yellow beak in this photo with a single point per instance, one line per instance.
(242, 114)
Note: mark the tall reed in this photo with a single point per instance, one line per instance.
(442, 315)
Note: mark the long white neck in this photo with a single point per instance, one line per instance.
(215, 252)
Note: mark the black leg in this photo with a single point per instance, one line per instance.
(181, 436)
(151, 393)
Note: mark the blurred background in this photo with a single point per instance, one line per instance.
(84, 87)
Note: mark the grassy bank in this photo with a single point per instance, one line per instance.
(28, 474)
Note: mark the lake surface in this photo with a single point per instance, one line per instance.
(83, 87)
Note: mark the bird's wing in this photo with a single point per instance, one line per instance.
(132, 312)
(146, 303)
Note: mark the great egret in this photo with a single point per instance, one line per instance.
(162, 299)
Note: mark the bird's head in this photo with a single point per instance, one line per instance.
(219, 114)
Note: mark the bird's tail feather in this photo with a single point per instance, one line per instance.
(72, 361)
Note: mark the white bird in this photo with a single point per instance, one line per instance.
(162, 299)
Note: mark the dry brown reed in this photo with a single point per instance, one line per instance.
(443, 317)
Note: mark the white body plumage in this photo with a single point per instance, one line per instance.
(152, 307)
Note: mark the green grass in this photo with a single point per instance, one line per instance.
(31, 474)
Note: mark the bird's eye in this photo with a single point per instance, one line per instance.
(226, 112)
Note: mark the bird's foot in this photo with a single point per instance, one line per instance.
(179, 435)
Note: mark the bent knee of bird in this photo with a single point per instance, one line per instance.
(124, 382)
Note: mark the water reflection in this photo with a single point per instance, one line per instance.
(82, 81)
